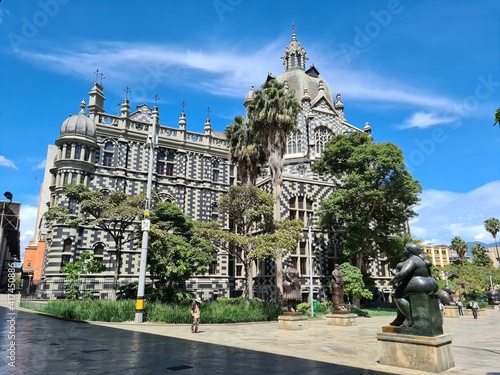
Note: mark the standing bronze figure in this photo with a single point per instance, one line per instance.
(291, 286)
(337, 289)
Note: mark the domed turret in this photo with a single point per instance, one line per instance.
(79, 125)
(300, 79)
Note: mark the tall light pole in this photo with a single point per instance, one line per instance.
(139, 306)
(309, 239)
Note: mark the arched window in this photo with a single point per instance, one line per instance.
(160, 162)
(215, 212)
(78, 152)
(99, 250)
(215, 171)
(68, 151)
(294, 143)
(107, 159)
(67, 245)
(169, 171)
(321, 137)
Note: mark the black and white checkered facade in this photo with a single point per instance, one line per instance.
(111, 152)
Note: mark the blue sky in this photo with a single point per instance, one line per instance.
(425, 74)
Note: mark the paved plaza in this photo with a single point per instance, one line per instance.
(48, 345)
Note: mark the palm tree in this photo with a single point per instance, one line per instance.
(460, 246)
(273, 114)
(244, 150)
(492, 226)
(497, 116)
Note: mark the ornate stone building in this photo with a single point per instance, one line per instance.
(110, 152)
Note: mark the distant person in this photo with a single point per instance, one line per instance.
(475, 308)
(195, 314)
(460, 307)
(441, 307)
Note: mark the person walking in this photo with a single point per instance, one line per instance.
(475, 308)
(195, 314)
(460, 307)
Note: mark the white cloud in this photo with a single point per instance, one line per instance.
(28, 217)
(424, 120)
(444, 215)
(40, 165)
(6, 162)
(214, 70)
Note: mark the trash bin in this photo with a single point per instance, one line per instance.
(315, 304)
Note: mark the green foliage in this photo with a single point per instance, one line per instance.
(93, 310)
(480, 258)
(86, 264)
(492, 226)
(244, 150)
(273, 115)
(256, 235)
(374, 193)
(460, 246)
(223, 310)
(114, 214)
(471, 280)
(353, 282)
(176, 253)
(497, 117)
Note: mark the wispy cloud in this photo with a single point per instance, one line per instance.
(424, 120)
(40, 165)
(444, 215)
(6, 162)
(230, 72)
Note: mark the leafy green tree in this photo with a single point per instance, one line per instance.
(480, 258)
(255, 235)
(492, 226)
(497, 116)
(460, 246)
(87, 263)
(244, 150)
(176, 252)
(373, 195)
(354, 286)
(115, 214)
(273, 114)
(469, 279)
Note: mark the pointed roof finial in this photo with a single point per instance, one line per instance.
(99, 75)
(82, 106)
(293, 31)
(183, 105)
(127, 90)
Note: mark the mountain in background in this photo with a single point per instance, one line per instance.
(471, 244)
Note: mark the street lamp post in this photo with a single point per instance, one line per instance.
(139, 307)
(309, 239)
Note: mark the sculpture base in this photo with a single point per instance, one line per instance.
(342, 319)
(480, 312)
(292, 322)
(451, 312)
(493, 307)
(433, 354)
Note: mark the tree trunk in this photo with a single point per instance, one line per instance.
(249, 276)
(279, 258)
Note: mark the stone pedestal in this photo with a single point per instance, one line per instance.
(480, 312)
(346, 320)
(292, 321)
(433, 354)
(451, 312)
(493, 307)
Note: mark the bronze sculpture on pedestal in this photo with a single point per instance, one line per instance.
(291, 287)
(338, 290)
(415, 295)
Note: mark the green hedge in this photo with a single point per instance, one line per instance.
(223, 310)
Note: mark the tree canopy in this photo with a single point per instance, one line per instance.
(354, 286)
(460, 246)
(114, 213)
(480, 258)
(253, 234)
(176, 252)
(373, 196)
